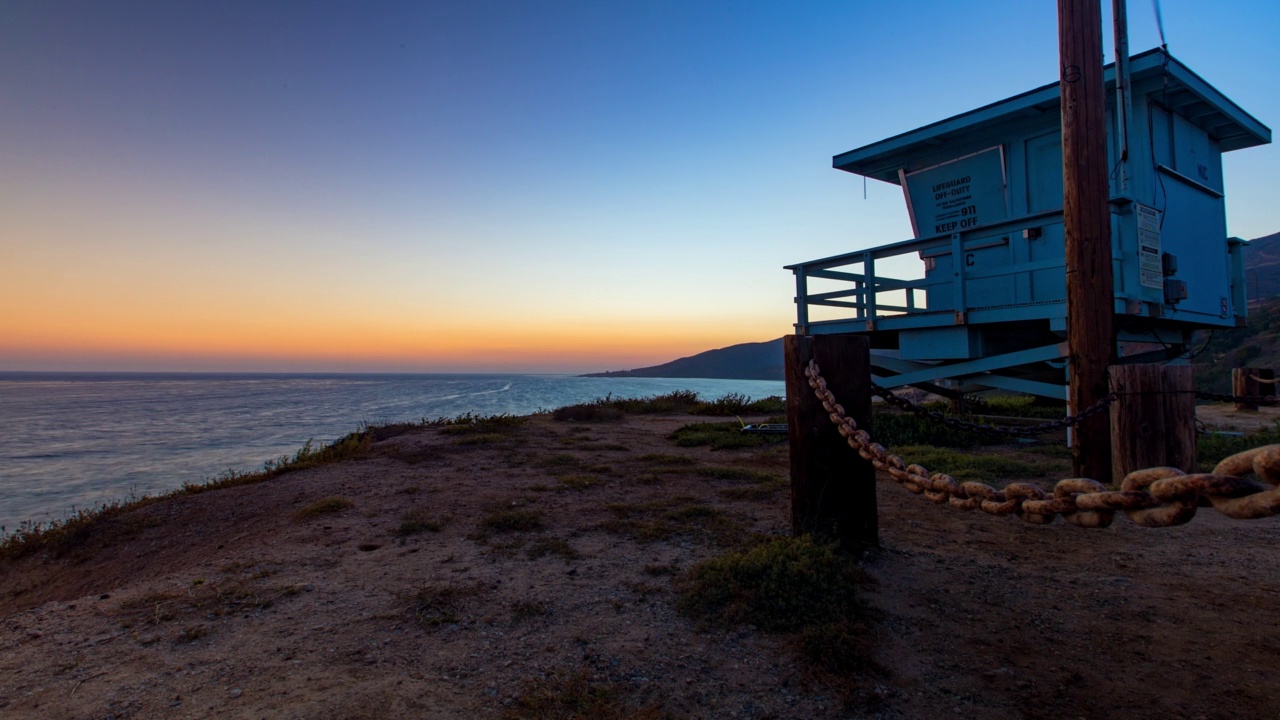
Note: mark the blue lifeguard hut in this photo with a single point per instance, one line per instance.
(977, 299)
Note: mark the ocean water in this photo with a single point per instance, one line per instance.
(76, 440)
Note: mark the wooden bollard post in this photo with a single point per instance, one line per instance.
(1153, 422)
(1244, 382)
(833, 490)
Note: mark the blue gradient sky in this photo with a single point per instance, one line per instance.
(540, 186)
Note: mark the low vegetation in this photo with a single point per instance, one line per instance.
(438, 604)
(506, 521)
(669, 518)
(1213, 448)
(323, 506)
(414, 522)
(786, 585)
(468, 424)
(893, 428)
(678, 402)
(982, 466)
(739, 404)
(118, 517)
(722, 436)
(348, 447)
(203, 600)
(577, 695)
(552, 546)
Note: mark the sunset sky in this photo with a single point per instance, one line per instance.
(510, 186)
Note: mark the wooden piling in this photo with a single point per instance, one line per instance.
(1153, 422)
(833, 492)
(1245, 382)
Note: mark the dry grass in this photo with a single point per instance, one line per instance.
(581, 694)
(323, 506)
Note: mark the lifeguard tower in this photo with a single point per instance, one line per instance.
(979, 297)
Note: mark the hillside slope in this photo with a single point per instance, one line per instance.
(1262, 267)
(1255, 345)
(747, 361)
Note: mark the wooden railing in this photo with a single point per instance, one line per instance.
(945, 293)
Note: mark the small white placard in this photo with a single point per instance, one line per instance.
(1150, 271)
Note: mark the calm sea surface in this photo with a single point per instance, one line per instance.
(74, 440)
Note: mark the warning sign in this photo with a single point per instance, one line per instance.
(958, 194)
(1150, 271)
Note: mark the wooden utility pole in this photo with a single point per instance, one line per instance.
(833, 490)
(1087, 221)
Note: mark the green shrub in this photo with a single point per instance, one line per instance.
(669, 518)
(552, 546)
(739, 404)
(578, 695)
(976, 466)
(892, 429)
(677, 402)
(481, 424)
(721, 436)
(1023, 406)
(785, 584)
(323, 506)
(348, 447)
(1212, 449)
(587, 412)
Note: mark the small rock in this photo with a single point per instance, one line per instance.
(236, 692)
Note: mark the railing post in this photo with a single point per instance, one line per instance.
(833, 493)
(802, 301)
(957, 276)
(869, 272)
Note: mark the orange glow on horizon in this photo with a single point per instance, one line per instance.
(268, 340)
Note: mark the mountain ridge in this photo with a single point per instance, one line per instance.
(745, 361)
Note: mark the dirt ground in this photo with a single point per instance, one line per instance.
(1224, 416)
(468, 570)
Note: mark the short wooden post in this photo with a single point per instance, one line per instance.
(1153, 423)
(1244, 382)
(833, 490)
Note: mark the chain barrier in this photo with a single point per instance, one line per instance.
(1030, 431)
(1026, 431)
(1220, 397)
(1154, 497)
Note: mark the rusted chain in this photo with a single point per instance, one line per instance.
(1154, 497)
(1220, 397)
(1007, 430)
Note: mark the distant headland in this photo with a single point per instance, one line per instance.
(746, 361)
